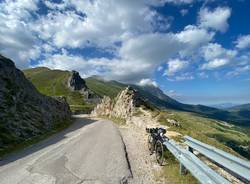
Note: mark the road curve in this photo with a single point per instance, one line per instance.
(89, 151)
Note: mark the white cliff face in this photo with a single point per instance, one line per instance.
(123, 106)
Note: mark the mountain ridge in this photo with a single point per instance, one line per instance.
(158, 99)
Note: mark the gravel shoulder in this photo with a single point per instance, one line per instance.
(143, 165)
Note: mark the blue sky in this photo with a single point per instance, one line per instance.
(197, 51)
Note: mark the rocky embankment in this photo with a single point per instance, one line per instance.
(123, 106)
(24, 112)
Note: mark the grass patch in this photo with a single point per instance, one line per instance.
(171, 171)
(209, 131)
(33, 140)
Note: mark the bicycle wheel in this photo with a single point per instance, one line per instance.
(159, 151)
(150, 144)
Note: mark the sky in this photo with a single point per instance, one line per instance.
(196, 51)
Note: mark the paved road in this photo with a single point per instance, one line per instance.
(88, 152)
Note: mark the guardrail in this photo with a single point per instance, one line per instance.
(239, 167)
(196, 167)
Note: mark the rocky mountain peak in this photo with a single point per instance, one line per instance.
(75, 82)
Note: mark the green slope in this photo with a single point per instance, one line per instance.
(54, 83)
(230, 138)
(158, 99)
(104, 88)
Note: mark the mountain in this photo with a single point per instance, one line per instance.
(63, 83)
(243, 107)
(157, 98)
(24, 112)
(223, 105)
(153, 95)
(103, 87)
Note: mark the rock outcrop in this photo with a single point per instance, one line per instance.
(24, 112)
(76, 83)
(123, 106)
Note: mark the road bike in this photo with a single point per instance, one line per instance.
(156, 139)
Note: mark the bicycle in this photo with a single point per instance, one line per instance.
(156, 139)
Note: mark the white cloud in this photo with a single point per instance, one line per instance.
(243, 42)
(92, 25)
(152, 48)
(160, 68)
(17, 39)
(182, 77)
(217, 56)
(193, 37)
(135, 34)
(147, 82)
(184, 12)
(216, 63)
(238, 70)
(215, 50)
(215, 19)
(175, 65)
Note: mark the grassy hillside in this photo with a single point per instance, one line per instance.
(158, 99)
(104, 88)
(230, 138)
(54, 83)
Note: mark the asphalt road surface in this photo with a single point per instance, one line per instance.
(89, 151)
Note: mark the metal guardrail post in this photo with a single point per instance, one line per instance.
(183, 170)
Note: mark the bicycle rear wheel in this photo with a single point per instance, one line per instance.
(159, 152)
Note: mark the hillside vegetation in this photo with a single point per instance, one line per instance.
(154, 96)
(104, 88)
(54, 83)
(230, 138)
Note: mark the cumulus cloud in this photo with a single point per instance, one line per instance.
(175, 65)
(92, 25)
(137, 36)
(216, 63)
(17, 39)
(216, 56)
(238, 70)
(243, 42)
(193, 37)
(147, 82)
(215, 50)
(215, 19)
